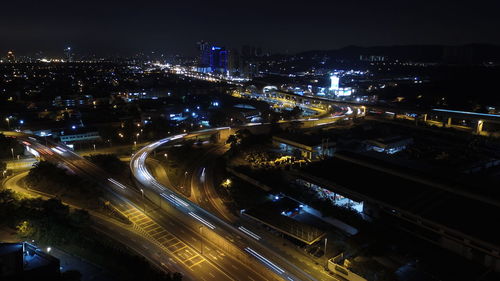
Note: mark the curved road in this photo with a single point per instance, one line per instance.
(270, 260)
(170, 241)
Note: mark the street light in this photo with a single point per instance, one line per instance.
(94, 146)
(12, 150)
(144, 202)
(326, 240)
(8, 122)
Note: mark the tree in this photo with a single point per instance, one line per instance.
(6, 144)
(243, 133)
(54, 207)
(25, 229)
(232, 140)
(80, 218)
(109, 162)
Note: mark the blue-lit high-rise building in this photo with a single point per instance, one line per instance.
(218, 59)
(212, 58)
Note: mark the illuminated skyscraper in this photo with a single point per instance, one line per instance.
(68, 54)
(212, 58)
(218, 59)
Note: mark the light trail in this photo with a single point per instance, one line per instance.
(249, 233)
(203, 221)
(466, 112)
(56, 150)
(171, 200)
(264, 260)
(207, 219)
(177, 199)
(202, 176)
(117, 183)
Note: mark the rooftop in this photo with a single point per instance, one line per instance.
(448, 209)
(269, 214)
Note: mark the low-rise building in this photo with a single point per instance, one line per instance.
(309, 147)
(71, 136)
(23, 261)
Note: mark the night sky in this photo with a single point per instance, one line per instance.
(125, 27)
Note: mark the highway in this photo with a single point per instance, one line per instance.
(198, 185)
(170, 235)
(186, 231)
(243, 241)
(204, 194)
(121, 232)
(202, 184)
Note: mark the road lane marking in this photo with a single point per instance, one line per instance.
(185, 246)
(197, 263)
(193, 257)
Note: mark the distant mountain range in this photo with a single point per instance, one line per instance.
(471, 53)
